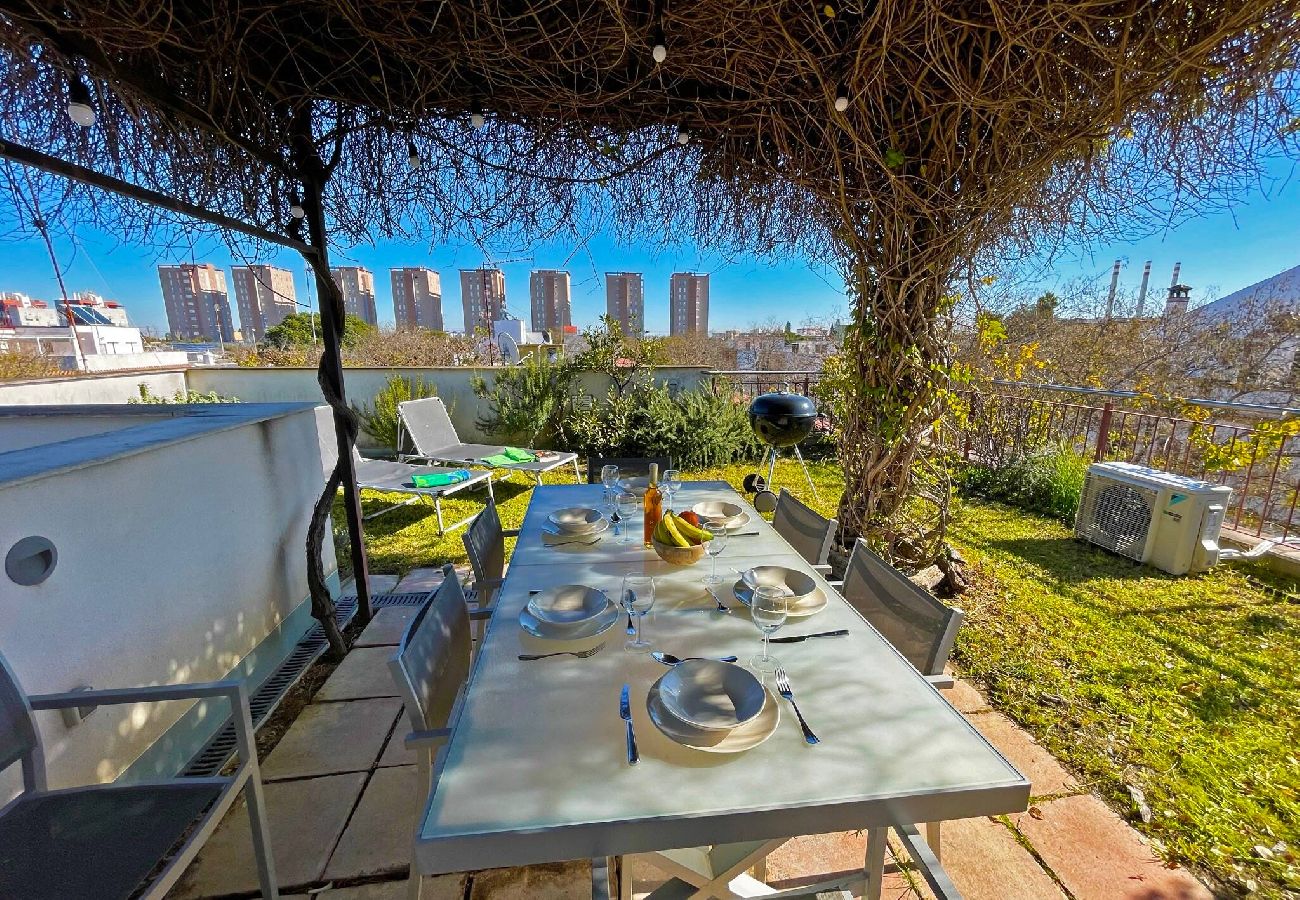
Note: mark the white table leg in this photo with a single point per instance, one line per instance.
(875, 867)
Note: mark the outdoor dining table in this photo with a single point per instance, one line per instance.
(537, 770)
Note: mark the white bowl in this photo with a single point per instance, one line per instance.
(576, 519)
(719, 511)
(797, 583)
(712, 695)
(636, 484)
(568, 604)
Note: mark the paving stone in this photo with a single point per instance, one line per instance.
(964, 696)
(362, 674)
(395, 752)
(986, 862)
(378, 839)
(1097, 854)
(438, 887)
(819, 857)
(379, 584)
(327, 738)
(306, 818)
(387, 627)
(553, 881)
(417, 580)
(1045, 774)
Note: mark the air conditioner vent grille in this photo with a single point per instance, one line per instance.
(1115, 515)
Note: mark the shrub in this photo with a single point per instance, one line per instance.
(148, 397)
(528, 404)
(21, 365)
(380, 419)
(1049, 482)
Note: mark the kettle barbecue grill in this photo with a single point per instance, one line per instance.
(780, 419)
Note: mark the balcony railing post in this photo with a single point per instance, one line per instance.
(1103, 431)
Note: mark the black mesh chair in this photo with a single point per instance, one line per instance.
(628, 466)
(806, 530)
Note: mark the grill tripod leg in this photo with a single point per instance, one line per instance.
(803, 465)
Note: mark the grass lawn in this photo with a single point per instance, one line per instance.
(1186, 688)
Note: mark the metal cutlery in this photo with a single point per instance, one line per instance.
(669, 660)
(625, 713)
(627, 604)
(796, 638)
(722, 607)
(554, 540)
(783, 688)
(581, 654)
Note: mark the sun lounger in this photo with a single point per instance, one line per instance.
(400, 478)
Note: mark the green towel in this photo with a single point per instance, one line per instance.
(440, 479)
(510, 456)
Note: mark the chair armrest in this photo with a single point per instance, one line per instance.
(149, 694)
(432, 737)
(481, 615)
(822, 568)
(510, 532)
(941, 681)
(838, 585)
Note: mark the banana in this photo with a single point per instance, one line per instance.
(689, 531)
(661, 533)
(677, 539)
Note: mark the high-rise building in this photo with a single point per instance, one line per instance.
(264, 295)
(358, 287)
(549, 291)
(688, 303)
(197, 305)
(417, 298)
(483, 295)
(625, 301)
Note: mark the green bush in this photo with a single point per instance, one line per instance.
(528, 404)
(148, 397)
(380, 419)
(1049, 482)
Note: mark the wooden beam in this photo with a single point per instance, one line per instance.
(46, 163)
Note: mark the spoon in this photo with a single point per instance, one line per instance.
(669, 660)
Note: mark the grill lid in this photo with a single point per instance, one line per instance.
(782, 419)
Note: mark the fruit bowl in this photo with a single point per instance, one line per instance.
(678, 556)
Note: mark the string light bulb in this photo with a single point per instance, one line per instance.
(296, 210)
(80, 109)
(659, 52)
(477, 120)
(412, 155)
(841, 103)
(683, 136)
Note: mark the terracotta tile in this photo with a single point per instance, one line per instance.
(362, 674)
(1045, 774)
(387, 627)
(964, 696)
(441, 887)
(554, 881)
(332, 737)
(819, 857)
(306, 818)
(378, 837)
(395, 752)
(986, 862)
(1097, 854)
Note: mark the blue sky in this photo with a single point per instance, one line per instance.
(1220, 253)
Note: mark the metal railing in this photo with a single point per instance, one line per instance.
(1264, 477)
(749, 383)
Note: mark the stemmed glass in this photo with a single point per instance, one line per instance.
(671, 482)
(638, 599)
(625, 506)
(714, 548)
(768, 610)
(609, 478)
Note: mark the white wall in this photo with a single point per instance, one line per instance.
(175, 561)
(90, 389)
(113, 362)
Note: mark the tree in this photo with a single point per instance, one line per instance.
(303, 330)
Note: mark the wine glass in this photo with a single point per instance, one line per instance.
(609, 478)
(768, 611)
(714, 548)
(625, 511)
(671, 482)
(638, 599)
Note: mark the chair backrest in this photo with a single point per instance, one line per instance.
(486, 545)
(806, 530)
(428, 424)
(431, 664)
(19, 739)
(627, 465)
(919, 625)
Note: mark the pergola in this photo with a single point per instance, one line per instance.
(898, 138)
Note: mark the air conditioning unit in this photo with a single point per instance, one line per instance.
(1168, 521)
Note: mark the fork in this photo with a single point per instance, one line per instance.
(783, 688)
(581, 654)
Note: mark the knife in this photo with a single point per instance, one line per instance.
(796, 638)
(625, 711)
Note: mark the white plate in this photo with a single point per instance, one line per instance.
(799, 584)
(551, 531)
(586, 629)
(710, 695)
(738, 522)
(808, 605)
(637, 484)
(720, 511)
(576, 519)
(568, 604)
(738, 740)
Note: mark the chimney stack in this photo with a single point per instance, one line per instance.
(1177, 268)
(1179, 295)
(1114, 285)
(1142, 293)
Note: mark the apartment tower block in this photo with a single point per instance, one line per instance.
(264, 295)
(417, 298)
(688, 300)
(549, 292)
(625, 301)
(198, 307)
